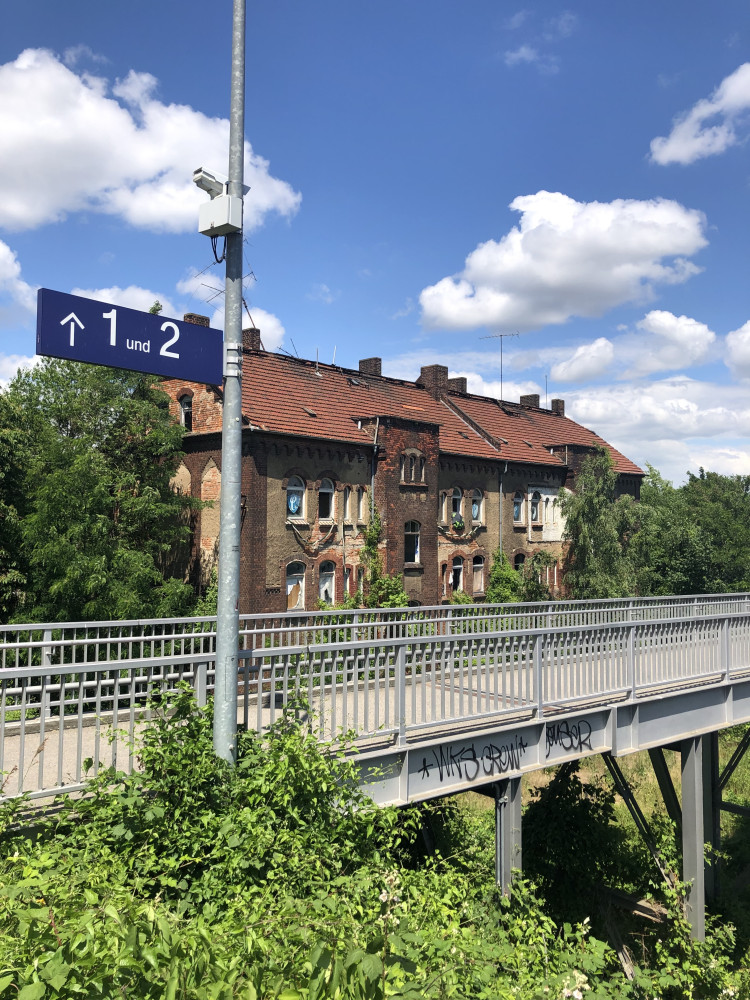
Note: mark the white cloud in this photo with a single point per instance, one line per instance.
(710, 126)
(567, 258)
(322, 293)
(11, 282)
(206, 285)
(516, 20)
(672, 407)
(738, 350)
(131, 297)
(561, 26)
(406, 310)
(677, 424)
(587, 361)
(72, 143)
(271, 329)
(10, 365)
(671, 343)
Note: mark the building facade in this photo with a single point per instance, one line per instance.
(452, 476)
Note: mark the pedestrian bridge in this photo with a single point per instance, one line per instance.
(435, 700)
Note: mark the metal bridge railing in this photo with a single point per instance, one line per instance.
(76, 694)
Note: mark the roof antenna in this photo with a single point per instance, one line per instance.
(334, 356)
(316, 364)
(500, 336)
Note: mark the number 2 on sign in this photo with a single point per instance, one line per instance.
(169, 325)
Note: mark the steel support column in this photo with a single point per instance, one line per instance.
(693, 865)
(507, 830)
(712, 810)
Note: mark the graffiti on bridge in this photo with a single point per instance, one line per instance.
(462, 762)
(569, 736)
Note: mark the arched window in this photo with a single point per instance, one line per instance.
(360, 503)
(295, 497)
(186, 412)
(536, 506)
(347, 503)
(457, 575)
(456, 503)
(412, 467)
(327, 582)
(518, 507)
(477, 572)
(443, 578)
(325, 500)
(476, 506)
(295, 586)
(518, 562)
(411, 541)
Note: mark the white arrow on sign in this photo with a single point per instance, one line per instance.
(72, 319)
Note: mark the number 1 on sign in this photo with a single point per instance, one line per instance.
(112, 317)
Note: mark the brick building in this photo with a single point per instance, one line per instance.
(452, 475)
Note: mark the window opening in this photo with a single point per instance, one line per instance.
(457, 576)
(477, 566)
(347, 502)
(476, 505)
(518, 506)
(456, 498)
(536, 497)
(411, 541)
(186, 412)
(518, 562)
(295, 586)
(325, 500)
(326, 582)
(295, 495)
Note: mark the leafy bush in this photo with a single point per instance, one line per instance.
(278, 879)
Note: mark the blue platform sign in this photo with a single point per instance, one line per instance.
(78, 329)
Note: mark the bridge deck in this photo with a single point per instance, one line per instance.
(433, 704)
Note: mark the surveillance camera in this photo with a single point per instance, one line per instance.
(209, 182)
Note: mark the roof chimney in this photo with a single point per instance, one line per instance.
(251, 339)
(370, 366)
(196, 319)
(531, 400)
(558, 407)
(434, 378)
(458, 384)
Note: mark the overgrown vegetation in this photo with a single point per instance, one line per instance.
(277, 879)
(691, 539)
(88, 518)
(382, 590)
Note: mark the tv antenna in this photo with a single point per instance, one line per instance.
(500, 337)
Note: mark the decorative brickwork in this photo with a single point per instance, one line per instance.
(449, 471)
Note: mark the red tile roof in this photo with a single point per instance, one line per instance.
(285, 395)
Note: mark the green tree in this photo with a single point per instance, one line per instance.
(720, 507)
(533, 586)
(14, 444)
(672, 552)
(100, 514)
(599, 527)
(505, 584)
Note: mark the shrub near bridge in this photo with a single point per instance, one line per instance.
(277, 878)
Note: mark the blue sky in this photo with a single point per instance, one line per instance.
(423, 175)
